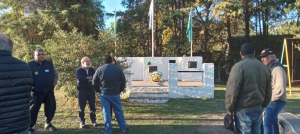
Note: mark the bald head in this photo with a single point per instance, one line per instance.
(5, 43)
(85, 62)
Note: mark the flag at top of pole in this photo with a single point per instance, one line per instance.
(189, 31)
(150, 14)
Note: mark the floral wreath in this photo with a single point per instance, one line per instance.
(156, 76)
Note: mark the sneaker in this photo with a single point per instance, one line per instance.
(94, 124)
(49, 127)
(81, 125)
(31, 131)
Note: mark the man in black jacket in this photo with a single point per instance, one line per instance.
(45, 78)
(15, 86)
(109, 81)
(84, 75)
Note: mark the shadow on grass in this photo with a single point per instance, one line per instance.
(203, 128)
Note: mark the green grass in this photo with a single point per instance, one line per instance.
(178, 116)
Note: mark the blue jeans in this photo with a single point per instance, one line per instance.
(113, 101)
(89, 96)
(271, 117)
(248, 121)
(23, 132)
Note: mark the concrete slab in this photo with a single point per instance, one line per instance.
(289, 122)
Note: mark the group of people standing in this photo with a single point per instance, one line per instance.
(25, 86)
(109, 81)
(254, 87)
(256, 92)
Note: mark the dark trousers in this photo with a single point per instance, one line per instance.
(49, 106)
(89, 96)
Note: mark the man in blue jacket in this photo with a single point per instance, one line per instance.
(84, 75)
(109, 81)
(45, 78)
(15, 86)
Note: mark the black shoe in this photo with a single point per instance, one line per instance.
(49, 127)
(31, 131)
(94, 124)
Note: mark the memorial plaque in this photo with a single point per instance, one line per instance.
(152, 69)
(172, 61)
(192, 64)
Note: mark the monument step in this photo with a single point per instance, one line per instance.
(149, 100)
(149, 90)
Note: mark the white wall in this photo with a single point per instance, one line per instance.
(140, 69)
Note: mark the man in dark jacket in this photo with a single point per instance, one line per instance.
(15, 86)
(44, 80)
(84, 76)
(109, 81)
(248, 91)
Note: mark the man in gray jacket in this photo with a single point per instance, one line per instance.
(248, 91)
(15, 86)
(109, 80)
(278, 100)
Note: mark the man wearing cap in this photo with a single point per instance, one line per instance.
(109, 81)
(278, 100)
(248, 91)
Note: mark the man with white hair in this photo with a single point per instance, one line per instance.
(84, 75)
(278, 100)
(15, 86)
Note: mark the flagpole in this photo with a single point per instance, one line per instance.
(153, 28)
(115, 33)
(192, 40)
(191, 49)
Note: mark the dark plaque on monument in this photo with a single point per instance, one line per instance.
(192, 64)
(152, 69)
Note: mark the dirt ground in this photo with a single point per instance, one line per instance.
(213, 127)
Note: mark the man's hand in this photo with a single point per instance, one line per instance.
(90, 78)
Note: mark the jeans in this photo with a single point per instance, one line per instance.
(248, 121)
(23, 132)
(89, 96)
(113, 101)
(271, 117)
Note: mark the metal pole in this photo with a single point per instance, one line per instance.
(153, 29)
(288, 65)
(191, 48)
(115, 33)
(191, 33)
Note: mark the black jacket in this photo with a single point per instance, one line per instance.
(83, 83)
(43, 76)
(109, 79)
(15, 86)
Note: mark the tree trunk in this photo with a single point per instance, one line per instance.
(247, 19)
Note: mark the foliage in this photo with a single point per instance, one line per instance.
(67, 49)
